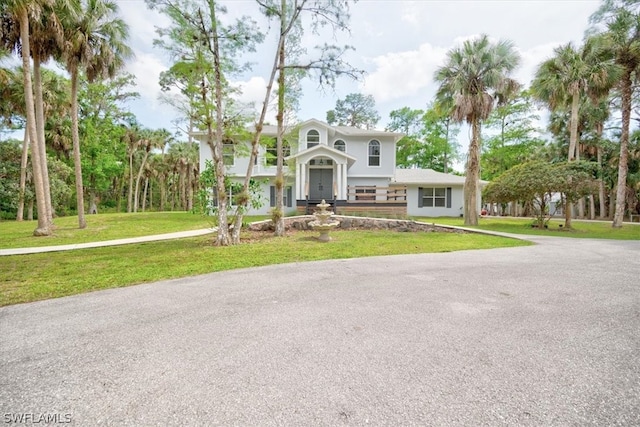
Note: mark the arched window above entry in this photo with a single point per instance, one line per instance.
(313, 138)
(374, 153)
(340, 145)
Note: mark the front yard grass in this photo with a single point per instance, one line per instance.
(100, 227)
(580, 229)
(26, 278)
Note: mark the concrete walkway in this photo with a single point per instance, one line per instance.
(541, 335)
(141, 239)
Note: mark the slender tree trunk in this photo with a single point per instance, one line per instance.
(592, 207)
(30, 210)
(278, 211)
(77, 162)
(43, 228)
(130, 195)
(183, 187)
(190, 179)
(255, 144)
(601, 195)
(163, 192)
(573, 135)
(223, 237)
(23, 176)
(144, 194)
(618, 215)
(136, 193)
(39, 106)
(472, 176)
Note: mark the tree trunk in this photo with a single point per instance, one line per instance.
(136, 193)
(618, 215)
(567, 212)
(77, 162)
(472, 176)
(23, 176)
(130, 195)
(39, 109)
(601, 193)
(255, 144)
(592, 207)
(144, 194)
(163, 192)
(223, 237)
(278, 210)
(30, 210)
(573, 135)
(43, 228)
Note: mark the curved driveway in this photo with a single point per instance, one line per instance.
(541, 335)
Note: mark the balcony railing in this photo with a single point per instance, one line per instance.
(375, 194)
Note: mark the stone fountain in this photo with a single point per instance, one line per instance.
(322, 222)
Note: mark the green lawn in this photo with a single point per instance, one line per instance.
(100, 227)
(25, 278)
(580, 229)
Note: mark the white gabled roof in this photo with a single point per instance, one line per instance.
(427, 176)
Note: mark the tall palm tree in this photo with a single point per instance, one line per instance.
(622, 40)
(16, 14)
(46, 35)
(567, 78)
(471, 74)
(94, 42)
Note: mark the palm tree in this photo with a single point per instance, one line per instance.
(46, 41)
(93, 42)
(470, 73)
(622, 41)
(569, 76)
(16, 14)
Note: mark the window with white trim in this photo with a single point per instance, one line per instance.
(313, 138)
(228, 153)
(434, 197)
(374, 153)
(271, 151)
(340, 145)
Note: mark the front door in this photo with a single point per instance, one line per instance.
(321, 184)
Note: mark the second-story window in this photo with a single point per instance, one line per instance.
(374, 153)
(271, 152)
(228, 153)
(313, 138)
(340, 145)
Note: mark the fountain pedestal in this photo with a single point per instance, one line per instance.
(322, 222)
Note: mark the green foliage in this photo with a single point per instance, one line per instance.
(355, 110)
(59, 177)
(537, 182)
(509, 137)
(430, 138)
(207, 199)
(10, 153)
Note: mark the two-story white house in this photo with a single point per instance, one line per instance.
(352, 169)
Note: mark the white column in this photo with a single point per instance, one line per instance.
(303, 180)
(344, 181)
(339, 181)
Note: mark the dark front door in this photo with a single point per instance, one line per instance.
(321, 184)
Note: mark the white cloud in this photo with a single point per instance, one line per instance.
(147, 68)
(402, 74)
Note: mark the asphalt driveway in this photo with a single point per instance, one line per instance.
(541, 335)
